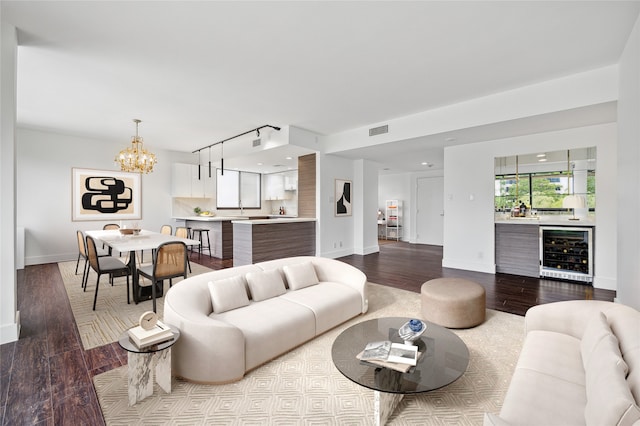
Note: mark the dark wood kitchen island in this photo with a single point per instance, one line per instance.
(267, 239)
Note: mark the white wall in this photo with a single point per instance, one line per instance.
(397, 187)
(335, 234)
(9, 316)
(44, 164)
(366, 201)
(628, 200)
(469, 187)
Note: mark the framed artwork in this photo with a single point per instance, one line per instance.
(343, 197)
(105, 195)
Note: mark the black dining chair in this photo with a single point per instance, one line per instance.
(169, 261)
(82, 253)
(105, 265)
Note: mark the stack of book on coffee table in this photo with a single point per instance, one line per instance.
(157, 334)
(397, 356)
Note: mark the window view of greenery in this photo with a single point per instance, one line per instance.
(540, 191)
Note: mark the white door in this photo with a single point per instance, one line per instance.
(430, 213)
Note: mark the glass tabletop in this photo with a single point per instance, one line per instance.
(127, 344)
(444, 357)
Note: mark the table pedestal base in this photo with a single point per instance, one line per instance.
(383, 405)
(141, 373)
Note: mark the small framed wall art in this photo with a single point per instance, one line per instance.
(343, 197)
(105, 195)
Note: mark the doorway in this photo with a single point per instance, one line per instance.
(430, 211)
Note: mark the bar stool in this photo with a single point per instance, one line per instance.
(197, 235)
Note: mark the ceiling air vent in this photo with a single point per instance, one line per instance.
(379, 130)
(256, 142)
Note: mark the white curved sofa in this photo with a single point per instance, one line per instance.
(579, 365)
(225, 334)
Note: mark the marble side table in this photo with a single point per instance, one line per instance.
(143, 362)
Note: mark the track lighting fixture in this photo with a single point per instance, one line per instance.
(221, 143)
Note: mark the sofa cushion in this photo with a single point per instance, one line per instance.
(300, 275)
(270, 328)
(535, 398)
(609, 400)
(265, 285)
(554, 354)
(227, 294)
(597, 328)
(332, 303)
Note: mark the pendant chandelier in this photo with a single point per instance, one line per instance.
(135, 158)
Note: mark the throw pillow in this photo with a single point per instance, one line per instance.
(596, 329)
(265, 285)
(227, 294)
(300, 275)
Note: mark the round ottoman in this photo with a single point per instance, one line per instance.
(453, 302)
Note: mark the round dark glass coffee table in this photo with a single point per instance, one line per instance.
(444, 359)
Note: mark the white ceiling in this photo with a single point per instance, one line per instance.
(197, 72)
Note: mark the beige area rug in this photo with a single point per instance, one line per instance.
(112, 315)
(303, 387)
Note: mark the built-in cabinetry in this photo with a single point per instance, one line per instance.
(185, 182)
(394, 222)
(530, 250)
(280, 186)
(517, 249)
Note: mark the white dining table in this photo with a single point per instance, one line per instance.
(145, 240)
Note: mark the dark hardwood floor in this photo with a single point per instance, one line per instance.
(46, 376)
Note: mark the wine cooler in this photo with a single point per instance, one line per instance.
(566, 253)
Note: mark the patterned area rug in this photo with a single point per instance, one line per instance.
(303, 387)
(112, 314)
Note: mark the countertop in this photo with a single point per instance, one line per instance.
(276, 220)
(546, 221)
(211, 218)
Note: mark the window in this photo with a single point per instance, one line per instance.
(540, 191)
(235, 190)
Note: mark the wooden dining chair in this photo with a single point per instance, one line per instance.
(169, 261)
(183, 232)
(166, 229)
(105, 265)
(106, 228)
(82, 253)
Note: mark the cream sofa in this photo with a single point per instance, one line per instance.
(580, 364)
(233, 320)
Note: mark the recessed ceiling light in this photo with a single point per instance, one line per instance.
(424, 163)
(542, 160)
(541, 155)
(259, 164)
(289, 158)
(450, 139)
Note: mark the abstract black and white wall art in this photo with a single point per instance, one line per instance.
(105, 195)
(343, 197)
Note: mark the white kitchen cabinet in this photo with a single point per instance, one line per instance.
(185, 182)
(291, 181)
(274, 186)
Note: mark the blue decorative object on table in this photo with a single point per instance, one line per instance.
(411, 330)
(415, 325)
